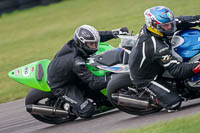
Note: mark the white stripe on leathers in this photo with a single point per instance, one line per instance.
(159, 85)
(143, 54)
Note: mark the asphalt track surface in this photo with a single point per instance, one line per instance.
(15, 119)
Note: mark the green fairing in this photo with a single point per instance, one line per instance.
(28, 74)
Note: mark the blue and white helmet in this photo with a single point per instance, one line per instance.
(158, 18)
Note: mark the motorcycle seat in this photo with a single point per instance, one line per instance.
(113, 57)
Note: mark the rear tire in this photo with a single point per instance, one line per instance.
(123, 81)
(35, 96)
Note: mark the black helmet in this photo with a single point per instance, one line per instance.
(87, 39)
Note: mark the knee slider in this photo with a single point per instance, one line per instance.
(165, 98)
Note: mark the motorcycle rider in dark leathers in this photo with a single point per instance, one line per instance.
(152, 55)
(68, 76)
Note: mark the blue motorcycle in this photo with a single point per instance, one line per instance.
(126, 97)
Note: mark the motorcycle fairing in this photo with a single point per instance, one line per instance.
(187, 48)
(33, 75)
(187, 44)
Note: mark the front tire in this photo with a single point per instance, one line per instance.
(36, 97)
(120, 83)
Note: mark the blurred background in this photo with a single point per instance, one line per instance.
(7, 6)
(30, 31)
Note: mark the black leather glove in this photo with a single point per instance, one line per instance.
(120, 31)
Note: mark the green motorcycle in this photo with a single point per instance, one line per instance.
(40, 102)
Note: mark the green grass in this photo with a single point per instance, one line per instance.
(188, 124)
(38, 33)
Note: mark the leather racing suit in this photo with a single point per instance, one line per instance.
(152, 56)
(69, 76)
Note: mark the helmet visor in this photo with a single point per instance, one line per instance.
(92, 45)
(167, 28)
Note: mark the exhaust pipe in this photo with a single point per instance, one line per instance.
(45, 110)
(124, 100)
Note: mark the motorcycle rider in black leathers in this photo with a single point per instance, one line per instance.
(151, 55)
(68, 76)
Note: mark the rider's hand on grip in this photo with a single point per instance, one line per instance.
(120, 31)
